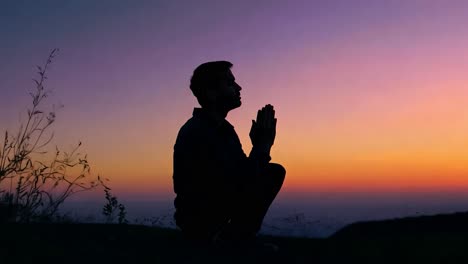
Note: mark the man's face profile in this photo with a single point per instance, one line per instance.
(228, 91)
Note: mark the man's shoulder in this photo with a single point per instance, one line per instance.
(193, 129)
(193, 125)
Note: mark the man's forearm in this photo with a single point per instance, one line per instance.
(260, 155)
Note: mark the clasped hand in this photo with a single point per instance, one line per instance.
(263, 130)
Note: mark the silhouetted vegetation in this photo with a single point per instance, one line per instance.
(34, 182)
(113, 208)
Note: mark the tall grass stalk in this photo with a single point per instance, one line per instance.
(34, 181)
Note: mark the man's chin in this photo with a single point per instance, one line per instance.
(235, 105)
(232, 103)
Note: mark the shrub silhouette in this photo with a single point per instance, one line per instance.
(113, 208)
(32, 189)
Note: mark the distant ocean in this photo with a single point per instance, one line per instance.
(317, 215)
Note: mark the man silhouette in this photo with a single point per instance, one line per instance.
(221, 193)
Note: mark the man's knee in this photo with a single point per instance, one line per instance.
(277, 171)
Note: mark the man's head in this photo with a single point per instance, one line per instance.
(214, 86)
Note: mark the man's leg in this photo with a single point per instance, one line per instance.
(253, 203)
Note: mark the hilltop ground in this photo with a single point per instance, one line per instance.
(426, 239)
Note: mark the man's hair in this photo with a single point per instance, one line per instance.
(207, 76)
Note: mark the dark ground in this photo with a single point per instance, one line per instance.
(426, 239)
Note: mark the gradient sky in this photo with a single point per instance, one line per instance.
(371, 96)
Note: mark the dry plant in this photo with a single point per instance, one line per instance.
(113, 209)
(34, 182)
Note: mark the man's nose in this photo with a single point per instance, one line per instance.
(238, 87)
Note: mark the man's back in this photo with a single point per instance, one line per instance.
(208, 169)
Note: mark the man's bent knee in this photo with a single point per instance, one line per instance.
(276, 173)
(277, 170)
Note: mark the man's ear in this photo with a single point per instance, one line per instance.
(210, 95)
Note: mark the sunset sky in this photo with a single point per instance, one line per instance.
(371, 96)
